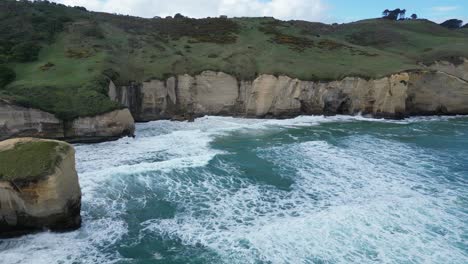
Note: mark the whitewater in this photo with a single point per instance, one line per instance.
(311, 189)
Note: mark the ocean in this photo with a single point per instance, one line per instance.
(311, 189)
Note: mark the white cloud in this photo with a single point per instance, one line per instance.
(444, 8)
(283, 9)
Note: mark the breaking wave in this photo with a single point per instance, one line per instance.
(305, 190)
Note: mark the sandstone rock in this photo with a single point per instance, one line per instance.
(352, 95)
(184, 93)
(215, 93)
(458, 70)
(272, 96)
(128, 96)
(17, 121)
(432, 93)
(389, 95)
(154, 100)
(99, 128)
(157, 100)
(171, 89)
(39, 187)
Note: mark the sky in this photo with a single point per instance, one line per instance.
(328, 11)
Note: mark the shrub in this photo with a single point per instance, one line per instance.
(92, 30)
(207, 30)
(294, 42)
(47, 66)
(81, 8)
(376, 38)
(88, 100)
(7, 76)
(111, 74)
(179, 16)
(25, 52)
(78, 53)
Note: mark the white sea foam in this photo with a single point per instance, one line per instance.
(367, 200)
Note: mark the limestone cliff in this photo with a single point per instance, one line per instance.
(419, 92)
(18, 121)
(39, 187)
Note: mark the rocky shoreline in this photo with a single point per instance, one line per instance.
(439, 89)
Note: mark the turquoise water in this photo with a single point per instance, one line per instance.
(304, 190)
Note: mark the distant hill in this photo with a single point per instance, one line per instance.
(62, 56)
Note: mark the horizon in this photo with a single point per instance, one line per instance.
(325, 11)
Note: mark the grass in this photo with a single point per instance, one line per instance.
(67, 78)
(71, 88)
(29, 161)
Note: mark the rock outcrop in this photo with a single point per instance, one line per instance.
(39, 187)
(109, 126)
(422, 92)
(18, 121)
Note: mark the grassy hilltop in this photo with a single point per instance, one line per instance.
(59, 58)
(31, 160)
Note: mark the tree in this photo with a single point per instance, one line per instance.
(465, 26)
(452, 23)
(394, 14)
(414, 16)
(81, 8)
(402, 14)
(385, 13)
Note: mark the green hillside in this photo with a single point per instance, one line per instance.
(62, 56)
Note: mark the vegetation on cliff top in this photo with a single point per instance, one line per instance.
(62, 57)
(29, 161)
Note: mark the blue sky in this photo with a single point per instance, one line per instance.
(328, 11)
(437, 10)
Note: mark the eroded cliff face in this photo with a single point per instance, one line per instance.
(437, 93)
(18, 121)
(420, 92)
(459, 69)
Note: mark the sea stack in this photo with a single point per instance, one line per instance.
(39, 188)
